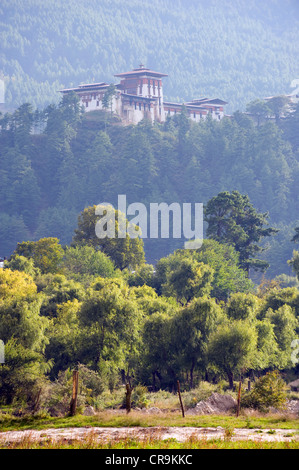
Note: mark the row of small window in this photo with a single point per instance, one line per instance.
(86, 104)
(92, 96)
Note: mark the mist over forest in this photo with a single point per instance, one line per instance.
(237, 51)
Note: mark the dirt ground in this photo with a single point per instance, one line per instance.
(181, 434)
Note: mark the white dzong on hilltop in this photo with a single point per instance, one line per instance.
(139, 95)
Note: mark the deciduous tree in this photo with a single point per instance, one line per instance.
(126, 252)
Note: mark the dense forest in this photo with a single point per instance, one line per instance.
(236, 51)
(57, 161)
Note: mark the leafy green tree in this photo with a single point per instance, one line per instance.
(279, 106)
(142, 276)
(285, 325)
(158, 358)
(189, 279)
(181, 276)
(232, 348)
(277, 298)
(259, 109)
(84, 261)
(57, 290)
(267, 355)
(22, 376)
(269, 391)
(46, 253)
(243, 306)
(23, 119)
(112, 320)
(21, 263)
(233, 220)
(71, 109)
(125, 252)
(20, 311)
(150, 302)
(15, 286)
(64, 337)
(228, 277)
(193, 326)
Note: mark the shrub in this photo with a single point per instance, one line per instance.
(139, 397)
(202, 392)
(59, 392)
(269, 391)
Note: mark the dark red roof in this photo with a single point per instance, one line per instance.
(215, 101)
(86, 87)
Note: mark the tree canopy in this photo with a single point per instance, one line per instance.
(233, 220)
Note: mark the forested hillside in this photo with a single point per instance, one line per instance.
(236, 50)
(56, 162)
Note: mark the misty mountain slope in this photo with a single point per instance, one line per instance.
(237, 50)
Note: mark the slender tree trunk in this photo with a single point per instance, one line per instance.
(239, 398)
(37, 401)
(181, 401)
(100, 346)
(159, 377)
(154, 381)
(230, 376)
(191, 375)
(128, 397)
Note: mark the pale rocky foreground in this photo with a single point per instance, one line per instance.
(181, 434)
(215, 404)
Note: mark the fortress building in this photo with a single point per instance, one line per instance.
(139, 95)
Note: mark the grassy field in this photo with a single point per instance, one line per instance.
(116, 419)
(135, 418)
(110, 414)
(151, 444)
